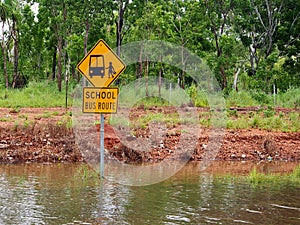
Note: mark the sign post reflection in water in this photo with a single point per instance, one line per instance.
(101, 66)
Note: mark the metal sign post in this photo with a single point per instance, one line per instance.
(102, 145)
(101, 67)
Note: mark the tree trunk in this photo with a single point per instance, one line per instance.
(73, 73)
(140, 64)
(234, 86)
(67, 77)
(160, 77)
(119, 24)
(4, 66)
(146, 75)
(181, 76)
(54, 63)
(59, 63)
(223, 76)
(219, 55)
(16, 52)
(4, 58)
(86, 36)
(252, 60)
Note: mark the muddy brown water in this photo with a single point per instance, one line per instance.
(72, 194)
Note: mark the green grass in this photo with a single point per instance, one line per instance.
(65, 121)
(257, 178)
(295, 175)
(84, 173)
(197, 96)
(168, 119)
(45, 94)
(6, 119)
(47, 114)
(265, 120)
(148, 102)
(289, 99)
(240, 99)
(35, 94)
(136, 95)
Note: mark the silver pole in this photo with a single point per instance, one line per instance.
(274, 94)
(170, 93)
(102, 146)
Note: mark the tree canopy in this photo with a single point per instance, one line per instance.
(251, 44)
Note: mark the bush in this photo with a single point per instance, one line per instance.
(262, 97)
(198, 96)
(289, 99)
(241, 99)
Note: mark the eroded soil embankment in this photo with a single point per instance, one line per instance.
(46, 139)
(236, 145)
(56, 143)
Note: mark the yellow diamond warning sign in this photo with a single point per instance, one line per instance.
(101, 66)
(100, 100)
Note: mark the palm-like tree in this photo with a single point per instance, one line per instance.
(14, 15)
(3, 17)
(9, 14)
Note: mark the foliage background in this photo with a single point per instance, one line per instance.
(251, 46)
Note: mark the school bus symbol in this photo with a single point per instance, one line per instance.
(101, 66)
(96, 66)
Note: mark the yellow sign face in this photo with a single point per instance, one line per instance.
(101, 66)
(100, 100)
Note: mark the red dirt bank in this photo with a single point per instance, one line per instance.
(30, 136)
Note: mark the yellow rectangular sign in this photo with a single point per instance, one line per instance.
(100, 100)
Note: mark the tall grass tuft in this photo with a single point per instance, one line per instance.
(256, 178)
(296, 173)
(240, 99)
(289, 99)
(35, 94)
(198, 97)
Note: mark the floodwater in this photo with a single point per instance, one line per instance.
(73, 194)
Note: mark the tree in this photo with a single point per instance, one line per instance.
(288, 42)
(267, 14)
(262, 28)
(56, 12)
(120, 23)
(15, 16)
(4, 17)
(10, 16)
(218, 14)
(154, 24)
(27, 37)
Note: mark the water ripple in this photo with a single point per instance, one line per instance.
(285, 207)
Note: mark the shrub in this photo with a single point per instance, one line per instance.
(262, 97)
(197, 96)
(241, 99)
(289, 99)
